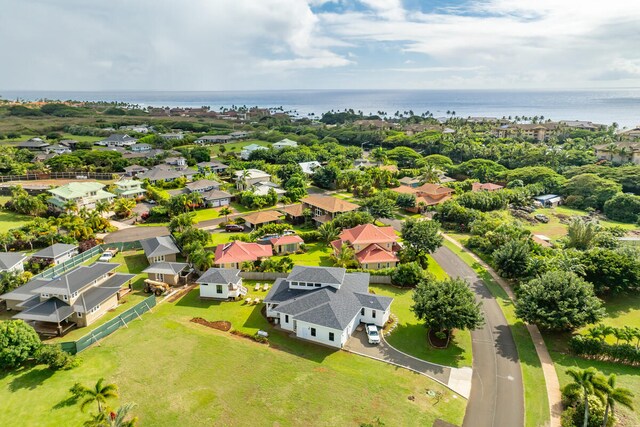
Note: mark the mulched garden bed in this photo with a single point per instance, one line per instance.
(435, 341)
(221, 325)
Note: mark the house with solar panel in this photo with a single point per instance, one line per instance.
(77, 298)
(325, 304)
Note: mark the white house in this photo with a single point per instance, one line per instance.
(12, 261)
(129, 188)
(325, 304)
(249, 177)
(284, 143)
(247, 150)
(309, 167)
(118, 140)
(221, 283)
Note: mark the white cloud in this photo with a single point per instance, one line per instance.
(271, 44)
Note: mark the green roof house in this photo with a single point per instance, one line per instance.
(83, 194)
(129, 188)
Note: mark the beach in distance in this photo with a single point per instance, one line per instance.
(604, 106)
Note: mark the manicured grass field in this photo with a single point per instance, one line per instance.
(236, 147)
(181, 373)
(205, 214)
(11, 220)
(317, 254)
(535, 393)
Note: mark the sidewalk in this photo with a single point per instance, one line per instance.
(550, 376)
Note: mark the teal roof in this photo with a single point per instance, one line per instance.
(75, 190)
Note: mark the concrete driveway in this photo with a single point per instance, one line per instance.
(497, 393)
(457, 379)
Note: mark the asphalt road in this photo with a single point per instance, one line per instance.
(497, 393)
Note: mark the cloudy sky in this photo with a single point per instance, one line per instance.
(317, 44)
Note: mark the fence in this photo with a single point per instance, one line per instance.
(256, 275)
(59, 175)
(62, 268)
(109, 327)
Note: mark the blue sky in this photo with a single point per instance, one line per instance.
(318, 44)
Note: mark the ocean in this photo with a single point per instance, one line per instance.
(599, 106)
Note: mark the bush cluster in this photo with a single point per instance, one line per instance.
(599, 349)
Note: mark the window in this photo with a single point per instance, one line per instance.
(313, 332)
(64, 297)
(331, 336)
(79, 314)
(286, 318)
(310, 285)
(373, 314)
(317, 285)
(362, 311)
(218, 289)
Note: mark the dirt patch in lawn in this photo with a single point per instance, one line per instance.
(181, 293)
(221, 325)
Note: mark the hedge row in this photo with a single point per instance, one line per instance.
(599, 349)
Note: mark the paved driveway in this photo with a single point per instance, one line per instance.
(457, 379)
(497, 393)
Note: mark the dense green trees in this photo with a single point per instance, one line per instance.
(512, 259)
(445, 305)
(558, 300)
(379, 206)
(408, 274)
(589, 191)
(623, 208)
(326, 177)
(612, 271)
(551, 180)
(421, 237)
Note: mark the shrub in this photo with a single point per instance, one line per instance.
(409, 274)
(56, 358)
(18, 343)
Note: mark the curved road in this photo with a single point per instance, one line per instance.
(497, 393)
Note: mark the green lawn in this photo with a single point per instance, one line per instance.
(236, 147)
(11, 220)
(178, 372)
(621, 311)
(410, 336)
(535, 392)
(205, 214)
(317, 254)
(556, 229)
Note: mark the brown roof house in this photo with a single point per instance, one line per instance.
(257, 219)
(326, 208)
(426, 195)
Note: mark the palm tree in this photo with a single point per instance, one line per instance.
(203, 259)
(119, 418)
(70, 206)
(613, 395)
(600, 332)
(583, 380)
(328, 232)
(99, 394)
(124, 207)
(345, 257)
(102, 206)
(226, 211)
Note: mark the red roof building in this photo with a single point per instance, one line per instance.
(286, 244)
(426, 195)
(476, 186)
(232, 255)
(375, 247)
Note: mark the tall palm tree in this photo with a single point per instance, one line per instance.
(99, 394)
(70, 206)
(584, 381)
(613, 395)
(119, 418)
(328, 232)
(102, 206)
(345, 257)
(226, 211)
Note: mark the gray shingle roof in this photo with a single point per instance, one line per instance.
(158, 246)
(215, 195)
(328, 275)
(54, 250)
(166, 267)
(157, 173)
(97, 294)
(9, 259)
(220, 275)
(327, 306)
(51, 310)
(77, 279)
(25, 291)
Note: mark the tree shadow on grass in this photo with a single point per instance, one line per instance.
(135, 263)
(412, 339)
(69, 401)
(30, 379)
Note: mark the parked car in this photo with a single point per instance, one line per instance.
(108, 254)
(372, 334)
(233, 227)
(542, 218)
(288, 232)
